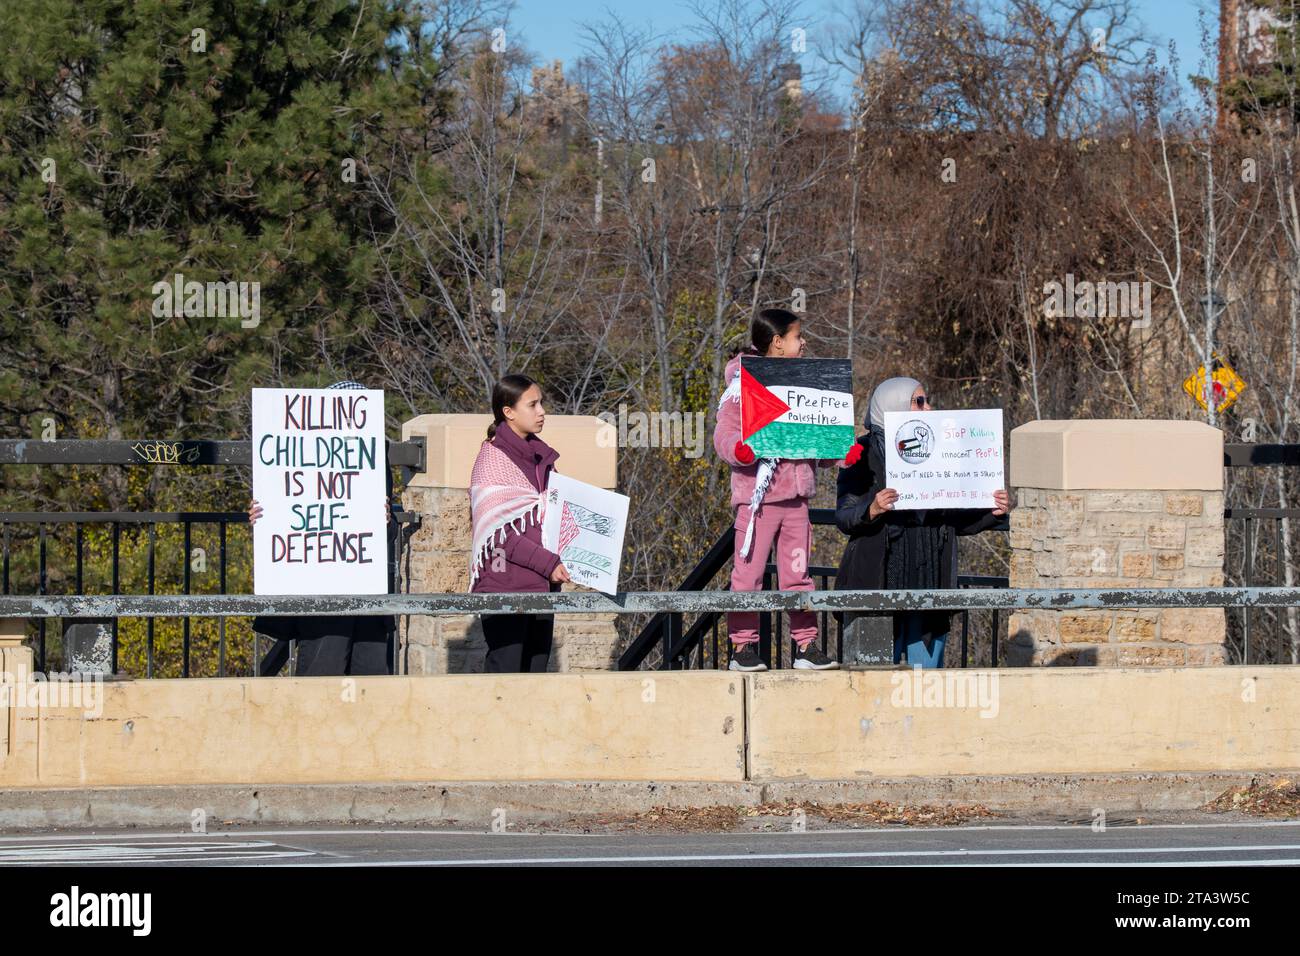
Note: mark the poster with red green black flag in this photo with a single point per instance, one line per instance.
(797, 408)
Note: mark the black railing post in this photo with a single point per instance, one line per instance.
(823, 624)
(148, 665)
(117, 582)
(221, 622)
(1250, 582)
(81, 588)
(1277, 582)
(41, 590)
(672, 632)
(185, 639)
(965, 632)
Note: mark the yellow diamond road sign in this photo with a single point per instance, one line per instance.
(1225, 383)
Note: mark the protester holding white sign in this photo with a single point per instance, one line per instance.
(318, 472)
(944, 459)
(915, 548)
(507, 499)
(322, 523)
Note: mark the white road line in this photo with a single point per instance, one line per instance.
(1114, 864)
(1121, 864)
(145, 853)
(832, 855)
(257, 832)
(247, 832)
(155, 861)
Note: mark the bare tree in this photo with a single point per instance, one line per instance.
(480, 277)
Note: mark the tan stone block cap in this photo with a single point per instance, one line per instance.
(587, 446)
(1128, 454)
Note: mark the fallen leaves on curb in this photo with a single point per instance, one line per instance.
(679, 818)
(783, 815)
(879, 812)
(1279, 799)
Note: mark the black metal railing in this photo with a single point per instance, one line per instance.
(50, 529)
(1253, 527)
(139, 534)
(664, 641)
(698, 646)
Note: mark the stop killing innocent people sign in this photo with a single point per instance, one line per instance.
(318, 473)
(947, 459)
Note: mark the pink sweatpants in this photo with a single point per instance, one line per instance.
(786, 523)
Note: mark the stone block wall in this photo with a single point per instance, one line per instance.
(1117, 539)
(1164, 529)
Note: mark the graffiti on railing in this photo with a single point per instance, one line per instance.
(167, 452)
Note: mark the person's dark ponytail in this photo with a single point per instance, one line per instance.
(768, 325)
(506, 394)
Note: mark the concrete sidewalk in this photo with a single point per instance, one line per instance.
(1060, 796)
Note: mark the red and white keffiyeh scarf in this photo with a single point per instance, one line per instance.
(500, 497)
(762, 478)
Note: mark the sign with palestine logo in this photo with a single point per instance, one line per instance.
(797, 408)
(948, 459)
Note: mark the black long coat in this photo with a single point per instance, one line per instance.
(862, 568)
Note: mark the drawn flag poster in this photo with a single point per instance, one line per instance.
(797, 408)
(584, 525)
(949, 459)
(318, 472)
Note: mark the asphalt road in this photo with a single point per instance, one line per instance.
(1256, 843)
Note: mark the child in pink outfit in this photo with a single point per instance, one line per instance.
(782, 514)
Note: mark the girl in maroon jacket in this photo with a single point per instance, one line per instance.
(506, 492)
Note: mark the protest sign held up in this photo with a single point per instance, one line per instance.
(797, 408)
(584, 525)
(947, 459)
(318, 472)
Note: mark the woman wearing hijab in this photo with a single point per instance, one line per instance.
(902, 550)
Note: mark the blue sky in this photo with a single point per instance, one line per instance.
(549, 28)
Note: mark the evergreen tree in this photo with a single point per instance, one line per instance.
(224, 140)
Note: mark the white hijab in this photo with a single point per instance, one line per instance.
(891, 395)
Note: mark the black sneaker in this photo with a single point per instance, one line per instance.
(745, 658)
(812, 659)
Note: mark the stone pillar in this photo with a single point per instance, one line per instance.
(440, 550)
(16, 658)
(1107, 504)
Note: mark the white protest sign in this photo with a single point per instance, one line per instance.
(584, 525)
(944, 459)
(318, 472)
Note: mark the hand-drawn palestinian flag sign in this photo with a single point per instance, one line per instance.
(569, 529)
(797, 408)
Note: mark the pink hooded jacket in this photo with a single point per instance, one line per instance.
(794, 477)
